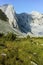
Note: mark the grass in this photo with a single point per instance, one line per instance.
(26, 51)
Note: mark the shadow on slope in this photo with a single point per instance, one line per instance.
(3, 16)
(24, 21)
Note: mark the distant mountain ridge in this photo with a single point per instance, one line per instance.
(24, 23)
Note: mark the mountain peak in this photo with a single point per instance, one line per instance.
(10, 13)
(35, 13)
(7, 5)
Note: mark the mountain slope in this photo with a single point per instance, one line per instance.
(6, 28)
(24, 23)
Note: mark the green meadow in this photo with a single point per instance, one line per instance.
(20, 51)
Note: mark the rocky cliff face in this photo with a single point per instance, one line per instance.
(10, 13)
(31, 24)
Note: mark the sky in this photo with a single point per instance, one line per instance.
(27, 6)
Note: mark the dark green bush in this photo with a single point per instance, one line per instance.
(28, 37)
(1, 34)
(10, 36)
(3, 16)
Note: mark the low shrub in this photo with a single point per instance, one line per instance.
(3, 16)
(10, 36)
(1, 34)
